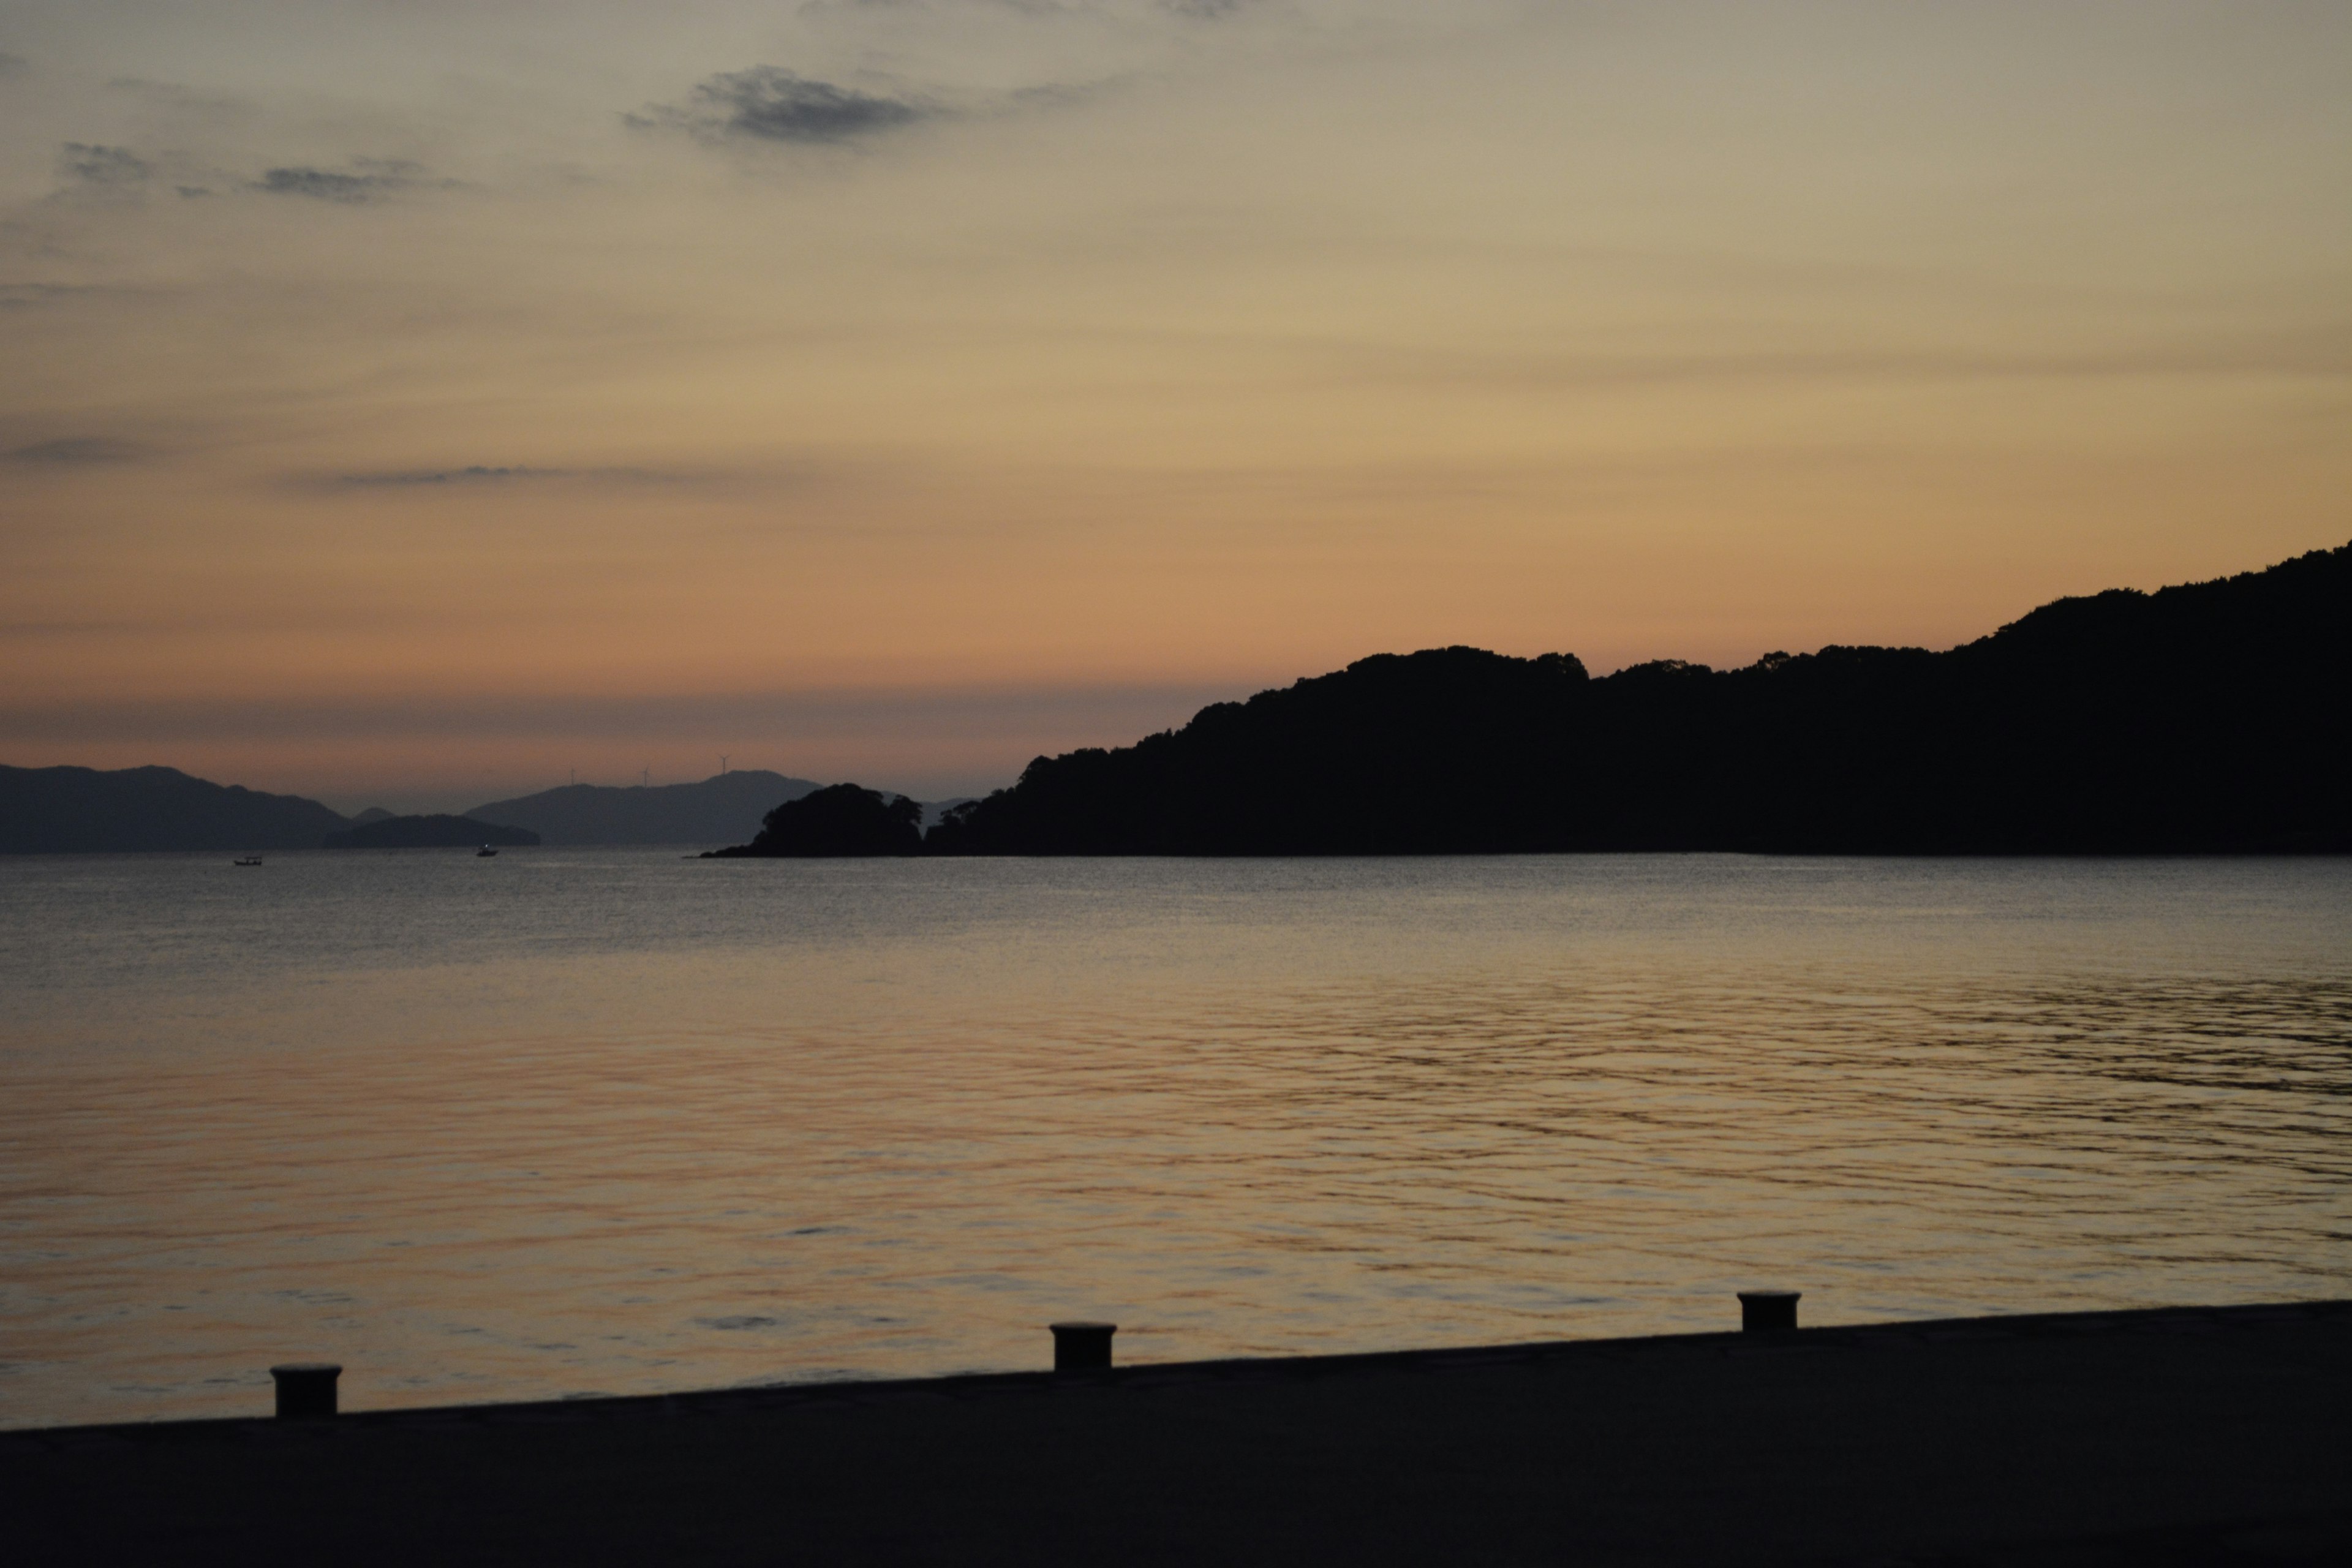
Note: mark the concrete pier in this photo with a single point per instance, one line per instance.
(2189, 1436)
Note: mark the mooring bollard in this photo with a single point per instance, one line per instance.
(306, 1389)
(1082, 1347)
(1767, 1311)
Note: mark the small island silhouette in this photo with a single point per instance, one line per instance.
(840, 821)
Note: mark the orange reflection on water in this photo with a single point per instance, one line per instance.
(581, 1121)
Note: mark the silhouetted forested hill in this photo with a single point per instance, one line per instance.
(2203, 718)
(842, 821)
(721, 809)
(48, 811)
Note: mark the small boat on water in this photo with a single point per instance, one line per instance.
(247, 860)
(484, 852)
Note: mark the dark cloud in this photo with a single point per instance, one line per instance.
(93, 165)
(76, 451)
(479, 474)
(94, 170)
(483, 475)
(363, 182)
(322, 184)
(776, 105)
(10, 65)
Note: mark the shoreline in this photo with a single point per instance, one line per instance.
(782, 1395)
(2195, 1433)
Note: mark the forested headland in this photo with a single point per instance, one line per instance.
(2210, 717)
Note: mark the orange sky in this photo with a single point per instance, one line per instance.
(411, 401)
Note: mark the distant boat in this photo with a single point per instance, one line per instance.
(248, 860)
(483, 852)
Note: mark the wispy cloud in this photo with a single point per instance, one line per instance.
(101, 171)
(76, 451)
(769, 103)
(2322, 354)
(91, 165)
(13, 65)
(476, 474)
(94, 170)
(366, 180)
(485, 475)
(26, 295)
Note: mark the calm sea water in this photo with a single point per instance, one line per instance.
(579, 1120)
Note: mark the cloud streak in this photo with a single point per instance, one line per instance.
(481, 476)
(476, 473)
(91, 165)
(768, 103)
(101, 171)
(374, 179)
(2324, 354)
(74, 452)
(27, 296)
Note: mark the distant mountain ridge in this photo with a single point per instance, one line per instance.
(77, 810)
(70, 810)
(2204, 717)
(725, 809)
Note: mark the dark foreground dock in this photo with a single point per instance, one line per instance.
(2193, 1435)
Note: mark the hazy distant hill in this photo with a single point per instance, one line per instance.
(2209, 717)
(427, 833)
(74, 810)
(726, 808)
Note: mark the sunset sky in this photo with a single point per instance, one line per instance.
(409, 401)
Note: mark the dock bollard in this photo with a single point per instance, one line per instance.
(1082, 1347)
(306, 1389)
(1767, 1311)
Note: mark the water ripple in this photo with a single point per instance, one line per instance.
(578, 1120)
